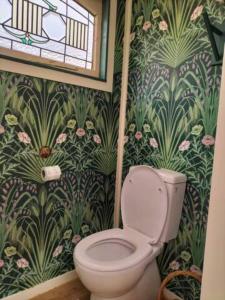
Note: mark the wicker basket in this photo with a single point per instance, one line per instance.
(172, 275)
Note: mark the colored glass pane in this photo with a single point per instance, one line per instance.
(59, 30)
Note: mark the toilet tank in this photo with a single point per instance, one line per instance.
(175, 183)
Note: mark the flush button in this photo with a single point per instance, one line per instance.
(160, 190)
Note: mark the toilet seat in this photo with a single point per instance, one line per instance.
(140, 244)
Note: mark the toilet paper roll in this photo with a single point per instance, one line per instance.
(50, 173)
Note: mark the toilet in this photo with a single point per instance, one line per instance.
(120, 264)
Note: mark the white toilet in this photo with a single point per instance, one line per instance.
(120, 264)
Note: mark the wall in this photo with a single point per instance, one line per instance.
(40, 223)
(171, 116)
(213, 286)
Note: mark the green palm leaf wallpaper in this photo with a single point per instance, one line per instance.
(46, 123)
(173, 96)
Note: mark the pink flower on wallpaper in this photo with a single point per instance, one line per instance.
(196, 270)
(138, 135)
(185, 145)
(174, 265)
(2, 129)
(197, 12)
(1, 263)
(163, 26)
(22, 263)
(58, 250)
(76, 239)
(97, 139)
(208, 140)
(80, 132)
(61, 138)
(153, 143)
(147, 25)
(24, 137)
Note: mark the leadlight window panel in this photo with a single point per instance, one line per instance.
(59, 30)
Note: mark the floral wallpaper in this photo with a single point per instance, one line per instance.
(173, 95)
(44, 123)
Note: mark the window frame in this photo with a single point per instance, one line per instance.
(102, 78)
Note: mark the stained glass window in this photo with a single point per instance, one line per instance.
(59, 30)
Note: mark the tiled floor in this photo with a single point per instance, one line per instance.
(73, 290)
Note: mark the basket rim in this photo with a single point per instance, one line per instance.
(174, 274)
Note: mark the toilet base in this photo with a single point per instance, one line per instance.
(146, 288)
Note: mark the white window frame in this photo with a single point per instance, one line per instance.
(9, 65)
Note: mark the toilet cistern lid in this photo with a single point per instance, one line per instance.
(144, 202)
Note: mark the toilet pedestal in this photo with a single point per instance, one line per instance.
(146, 288)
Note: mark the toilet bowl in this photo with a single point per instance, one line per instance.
(120, 264)
(115, 258)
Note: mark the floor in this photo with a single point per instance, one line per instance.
(73, 290)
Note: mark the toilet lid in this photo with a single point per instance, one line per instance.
(144, 202)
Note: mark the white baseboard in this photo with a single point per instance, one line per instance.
(43, 287)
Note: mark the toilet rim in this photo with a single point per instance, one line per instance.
(141, 244)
